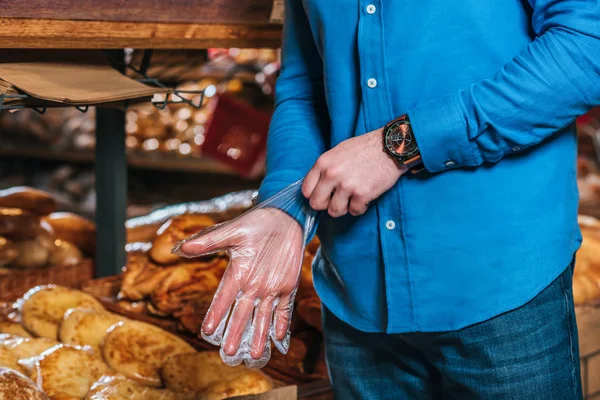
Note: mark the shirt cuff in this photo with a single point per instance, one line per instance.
(442, 135)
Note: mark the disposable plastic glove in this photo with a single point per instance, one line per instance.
(266, 246)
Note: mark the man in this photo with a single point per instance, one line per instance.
(439, 138)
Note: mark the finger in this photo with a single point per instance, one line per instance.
(357, 206)
(262, 322)
(338, 206)
(283, 318)
(238, 322)
(209, 240)
(221, 304)
(321, 196)
(310, 181)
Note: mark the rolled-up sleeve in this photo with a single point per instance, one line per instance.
(543, 89)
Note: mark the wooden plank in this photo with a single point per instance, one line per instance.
(54, 34)
(172, 11)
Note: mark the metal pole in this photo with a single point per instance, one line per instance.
(111, 188)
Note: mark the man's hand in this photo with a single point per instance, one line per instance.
(351, 175)
(265, 246)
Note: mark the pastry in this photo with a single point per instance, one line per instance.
(174, 231)
(16, 386)
(33, 200)
(85, 327)
(66, 372)
(74, 229)
(205, 376)
(138, 350)
(18, 224)
(43, 308)
(8, 251)
(118, 387)
(65, 253)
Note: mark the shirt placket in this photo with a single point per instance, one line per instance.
(377, 109)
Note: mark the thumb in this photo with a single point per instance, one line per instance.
(210, 240)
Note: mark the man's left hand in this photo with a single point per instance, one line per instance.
(351, 175)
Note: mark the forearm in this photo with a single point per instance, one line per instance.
(555, 79)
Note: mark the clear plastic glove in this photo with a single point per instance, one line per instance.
(266, 246)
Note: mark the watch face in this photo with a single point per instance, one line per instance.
(399, 140)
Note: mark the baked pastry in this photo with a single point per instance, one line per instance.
(205, 376)
(8, 359)
(186, 282)
(13, 328)
(138, 350)
(25, 348)
(8, 251)
(16, 386)
(117, 387)
(16, 223)
(43, 308)
(33, 200)
(66, 372)
(85, 327)
(65, 253)
(309, 309)
(142, 233)
(174, 231)
(74, 229)
(140, 277)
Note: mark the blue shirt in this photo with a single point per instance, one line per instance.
(492, 89)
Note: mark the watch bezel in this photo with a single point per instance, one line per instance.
(394, 145)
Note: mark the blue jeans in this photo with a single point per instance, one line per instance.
(528, 353)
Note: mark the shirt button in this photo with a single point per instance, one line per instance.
(371, 9)
(390, 225)
(516, 148)
(372, 83)
(450, 164)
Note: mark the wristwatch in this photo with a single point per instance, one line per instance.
(400, 144)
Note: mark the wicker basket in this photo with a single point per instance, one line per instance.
(13, 285)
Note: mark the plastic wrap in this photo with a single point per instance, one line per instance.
(266, 247)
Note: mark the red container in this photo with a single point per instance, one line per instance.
(237, 135)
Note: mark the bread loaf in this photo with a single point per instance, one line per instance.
(65, 253)
(16, 386)
(74, 229)
(16, 223)
(33, 200)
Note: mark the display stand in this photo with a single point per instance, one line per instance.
(148, 24)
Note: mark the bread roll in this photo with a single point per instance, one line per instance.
(174, 231)
(8, 359)
(33, 200)
(141, 233)
(8, 251)
(25, 348)
(74, 229)
(65, 253)
(85, 327)
(66, 372)
(43, 308)
(205, 376)
(13, 328)
(16, 386)
(139, 350)
(18, 224)
(121, 388)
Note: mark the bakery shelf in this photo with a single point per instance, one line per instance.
(70, 34)
(140, 161)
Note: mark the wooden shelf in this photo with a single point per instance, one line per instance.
(71, 34)
(248, 12)
(140, 161)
